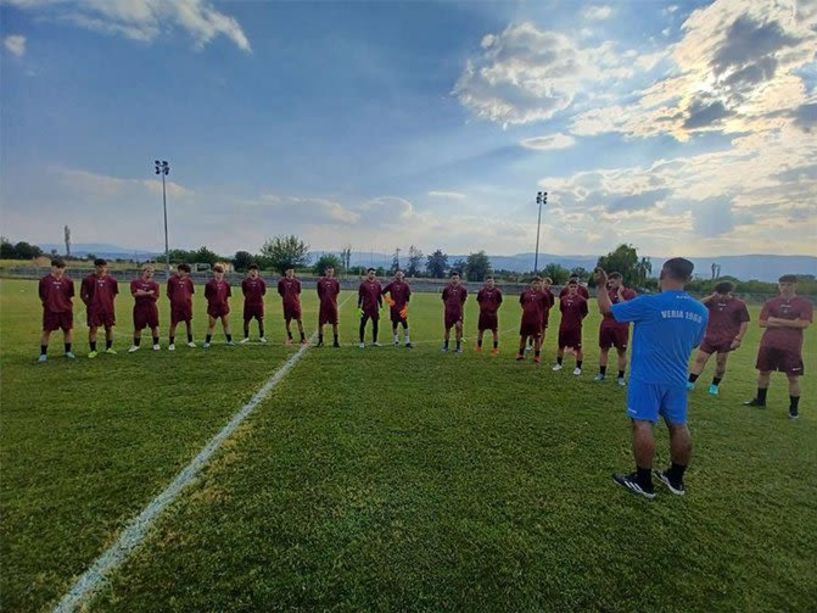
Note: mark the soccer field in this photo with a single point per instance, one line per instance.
(389, 478)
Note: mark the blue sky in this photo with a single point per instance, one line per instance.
(683, 128)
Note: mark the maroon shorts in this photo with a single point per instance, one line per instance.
(372, 314)
(292, 311)
(711, 346)
(781, 360)
(488, 321)
(452, 319)
(570, 338)
(180, 313)
(56, 321)
(395, 316)
(614, 336)
(145, 316)
(101, 318)
(328, 315)
(218, 311)
(527, 328)
(253, 310)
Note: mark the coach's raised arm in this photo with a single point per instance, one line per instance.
(605, 304)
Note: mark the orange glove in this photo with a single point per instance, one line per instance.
(404, 312)
(389, 301)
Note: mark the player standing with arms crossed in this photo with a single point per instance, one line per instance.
(98, 291)
(489, 299)
(534, 303)
(550, 301)
(781, 347)
(612, 333)
(145, 292)
(399, 295)
(289, 288)
(369, 303)
(728, 322)
(254, 288)
(574, 309)
(328, 291)
(666, 328)
(56, 291)
(454, 296)
(218, 292)
(180, 292)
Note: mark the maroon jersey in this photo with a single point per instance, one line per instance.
(454, 298)
(98, 293)
(146, 286)
(574, 310)
(582, 291)
(217, 294)
(180, 291)
(626, 294)
(328, 290)
(369, 297)
(726, 315)
(56, 294)
(489, 300)
(785, 339)
(400, 292)
(533, 306)
(550, 300)
(253, 290)
(290, 291)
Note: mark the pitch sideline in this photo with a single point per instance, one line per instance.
(135, 532)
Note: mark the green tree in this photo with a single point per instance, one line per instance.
(283, 252)
(325, 261)
(626, 261)
(242, 260)
(558, 273)
(27, 251)
(204, 256)
(437, 264)
(415, 258)
(477, 266)
(459, 265)
(7, 251)
(581, 272)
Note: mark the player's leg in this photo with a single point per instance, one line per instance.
(375, 328)
(260, 319)
(225, 325)
(458, 331)
(68, 341)
(247, 320)
(579, 361)
(137, 338)
(763, 378)
(447, 335)
(622, 364)
(211, 328)
(495, 334)
(362, 329)
(560, 356)
(680, 450)
(188, 324)
(320, 335)
(171, 334)
(395, 339)
(109, 338)
(44, 338)
(92, 341)
(406, 336)
(720, 370)
(301, 330)
(154, 331)
(794, 395)
(701, 358)
(335, 342)
(643, 404)
(288, 328)
(523, 342)
(603, 356)
(480, 332)
(537, 349)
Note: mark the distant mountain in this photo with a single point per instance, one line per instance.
(754, 266)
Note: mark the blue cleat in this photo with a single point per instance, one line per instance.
(690, 386)
(42, 358)
(70, 355)
(713, 390)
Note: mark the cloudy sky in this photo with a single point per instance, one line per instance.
(680, 127)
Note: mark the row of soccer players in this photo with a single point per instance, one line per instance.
(780, 348)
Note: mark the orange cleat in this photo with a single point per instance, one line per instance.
(537, 360)
(478, 349)
(494, 351)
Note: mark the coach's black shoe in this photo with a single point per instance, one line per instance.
(631, 483)
(754, 402)
(676, 487)
(336, 344)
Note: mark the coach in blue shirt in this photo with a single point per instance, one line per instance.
(667, 327)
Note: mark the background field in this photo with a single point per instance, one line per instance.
(390, 478)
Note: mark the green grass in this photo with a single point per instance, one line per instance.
(391, 479)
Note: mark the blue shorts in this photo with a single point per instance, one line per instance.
(646, 401)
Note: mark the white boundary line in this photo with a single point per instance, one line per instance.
(133, 535)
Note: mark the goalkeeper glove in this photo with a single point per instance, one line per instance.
(404, 312)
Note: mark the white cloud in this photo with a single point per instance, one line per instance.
(144, 20)
(551, 141)
(525, 74)
(15, 44)
(447, 195)
(597, 13)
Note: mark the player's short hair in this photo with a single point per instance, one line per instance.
(787, 279)
(573, 282)
(253, 266)
(368, 270)
(218, 268)
(489, 278)
(537, 278)
(548, 279)
(148, 267)
(573, 278)
(614, 275)
(100, 262)
(58, 262)
(725, 287)
(679, 269)
(184, 267)
(455, 273)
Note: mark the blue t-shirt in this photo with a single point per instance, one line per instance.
(667, 327)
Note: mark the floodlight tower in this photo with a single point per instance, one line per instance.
(541, 199)
(163, 168)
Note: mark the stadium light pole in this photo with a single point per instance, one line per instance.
(163, 168)
(541, 199)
